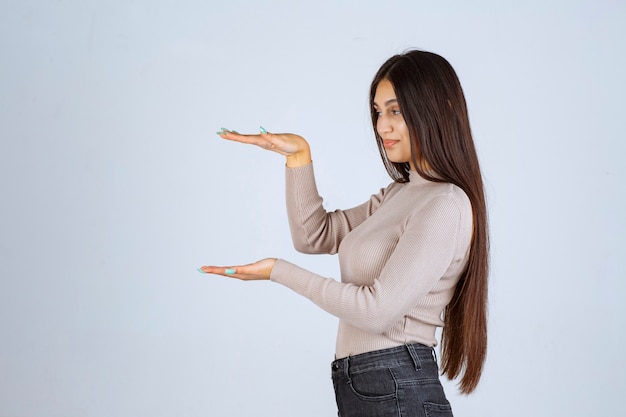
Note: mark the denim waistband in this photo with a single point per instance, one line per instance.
(396, 356)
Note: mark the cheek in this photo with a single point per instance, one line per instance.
(404, 131)
(403, 128)
(407, 137)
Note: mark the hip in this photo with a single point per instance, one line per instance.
(399, 381)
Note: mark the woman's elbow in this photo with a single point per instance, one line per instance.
(304, 247)
(375, 325)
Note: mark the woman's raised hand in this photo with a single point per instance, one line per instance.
(294, 147)
(259, 270)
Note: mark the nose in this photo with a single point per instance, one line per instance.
(383, 125)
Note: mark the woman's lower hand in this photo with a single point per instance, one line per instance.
(259, 270)
(294, 147)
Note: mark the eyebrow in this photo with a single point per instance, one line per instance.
(388, 102)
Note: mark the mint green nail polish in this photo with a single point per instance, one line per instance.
(263, 130)
(229, 271)
(201, 271)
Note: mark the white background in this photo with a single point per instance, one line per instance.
(115, 188)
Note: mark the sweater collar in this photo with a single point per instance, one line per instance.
(417, 179)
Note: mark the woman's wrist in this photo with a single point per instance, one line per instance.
(299, 158)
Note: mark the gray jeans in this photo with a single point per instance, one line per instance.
(402, 382)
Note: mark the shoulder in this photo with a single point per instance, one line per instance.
(455, 194)
(391, 189)
(443, 199)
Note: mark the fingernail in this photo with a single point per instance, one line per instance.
(263, 130)
(201, 271)
(229, 271)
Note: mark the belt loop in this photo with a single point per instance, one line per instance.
(434, 354)
(346, 368)
(414, 356)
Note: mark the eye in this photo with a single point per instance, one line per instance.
(396, 112)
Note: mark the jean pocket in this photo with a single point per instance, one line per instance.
(374, 384)
(437, 410)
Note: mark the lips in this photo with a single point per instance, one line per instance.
(389, 143)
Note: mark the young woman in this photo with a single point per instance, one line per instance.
(413, 257)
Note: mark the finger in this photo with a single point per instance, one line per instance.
(262, 140)
(230, 272)
(236, 136)
(233, 133)
(218, 270)
(276, 142)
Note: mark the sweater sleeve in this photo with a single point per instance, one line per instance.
(424, 253)
(313, 229)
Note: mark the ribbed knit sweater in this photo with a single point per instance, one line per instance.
(400, 253)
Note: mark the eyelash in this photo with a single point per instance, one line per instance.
(394, 112)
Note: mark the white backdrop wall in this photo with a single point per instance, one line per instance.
(115, 188)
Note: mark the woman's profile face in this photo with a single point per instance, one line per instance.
(391, 126)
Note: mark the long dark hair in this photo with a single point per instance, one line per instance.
(433, 105)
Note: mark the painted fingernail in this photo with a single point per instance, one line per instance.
(229, 271)
(201, 271)
(263, 130)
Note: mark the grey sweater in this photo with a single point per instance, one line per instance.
(400, 253)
